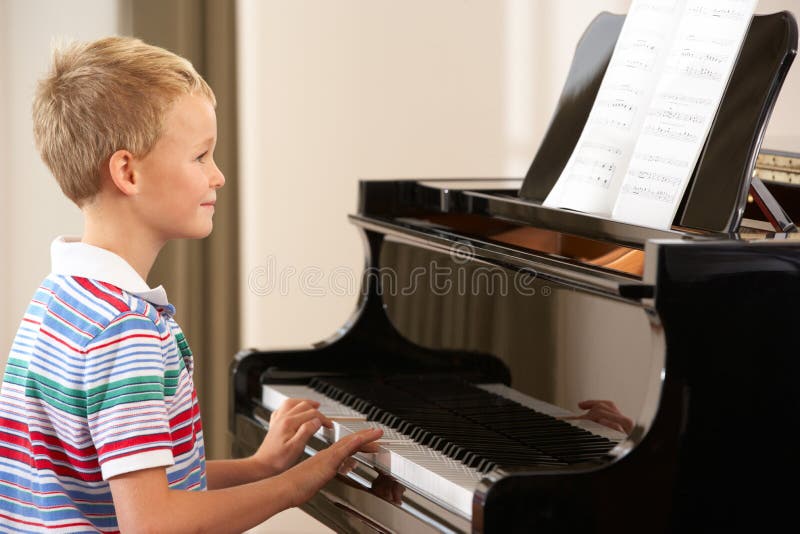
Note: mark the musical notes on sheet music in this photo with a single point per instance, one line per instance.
(596, 163)
(648, 193)
(594, 171)
(603, 147)
(654, 109)
(702, 57)
(651, 176)
(639, 64)
(702, 72)
(638, 52)
(657, 7)
(626, 90)
(730, 11)
(611, 122)
(672, 115)
(684, 99)
(640, 45)
(658, 159)
(655, 128)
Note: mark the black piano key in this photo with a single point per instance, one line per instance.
(466, 423)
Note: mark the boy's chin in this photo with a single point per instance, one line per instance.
(196, 233)
(204, 234)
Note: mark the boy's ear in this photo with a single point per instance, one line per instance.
(120, 169)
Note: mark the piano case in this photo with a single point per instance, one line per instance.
(485, 317)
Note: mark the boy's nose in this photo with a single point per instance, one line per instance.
(218, 179)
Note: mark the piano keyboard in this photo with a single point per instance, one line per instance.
(439, 477)
(441, 438)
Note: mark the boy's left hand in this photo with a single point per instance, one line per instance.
(290, 427)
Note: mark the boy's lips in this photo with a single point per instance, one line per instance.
(211, 203)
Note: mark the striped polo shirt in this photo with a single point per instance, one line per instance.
(98, 383)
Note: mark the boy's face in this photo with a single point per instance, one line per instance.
(178, 178)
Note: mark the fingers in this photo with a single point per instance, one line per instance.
(589, 404)
(305, 406)
(624, 424)
(606, 413)
(292, 414)
(288, 404)
(351, 444)
(294, 420)
(303, 433)
(309, 476)
(370, 447)
(610, 424)
(291, 406)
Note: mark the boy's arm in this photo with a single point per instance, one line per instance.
(290, 427)
(144, 502)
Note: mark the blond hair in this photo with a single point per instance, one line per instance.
(103, 96)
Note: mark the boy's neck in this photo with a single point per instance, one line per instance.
(123, 240)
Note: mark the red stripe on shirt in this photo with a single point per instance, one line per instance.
(102, 295)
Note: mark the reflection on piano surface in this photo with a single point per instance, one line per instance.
(486, 318)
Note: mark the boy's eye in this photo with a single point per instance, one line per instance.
(201, 156)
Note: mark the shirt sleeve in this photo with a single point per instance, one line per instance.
(125, 401)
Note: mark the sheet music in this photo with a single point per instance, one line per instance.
(592, 177)
(685, 102)
(653, 109)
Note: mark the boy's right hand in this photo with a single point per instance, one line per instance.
(309, 476)
(290, 427)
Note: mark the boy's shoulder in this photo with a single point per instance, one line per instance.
(81, 309)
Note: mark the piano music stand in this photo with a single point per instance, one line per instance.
(716, 197)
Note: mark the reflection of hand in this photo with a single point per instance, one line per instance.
(290, 427)
(606, 413)
(388, 489)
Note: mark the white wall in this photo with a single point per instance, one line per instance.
(32, 209)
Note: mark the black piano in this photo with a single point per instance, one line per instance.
(485, 318)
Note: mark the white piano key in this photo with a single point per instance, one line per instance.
(275, 394)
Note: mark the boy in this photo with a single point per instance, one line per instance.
(99, 422)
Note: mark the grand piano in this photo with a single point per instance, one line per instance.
(485, 318)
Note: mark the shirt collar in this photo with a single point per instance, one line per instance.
(70, 257)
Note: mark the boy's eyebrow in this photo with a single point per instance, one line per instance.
(206, 141)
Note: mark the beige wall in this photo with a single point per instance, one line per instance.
(32, 209)
(783, 132)
(5, 252)
(336, 91)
